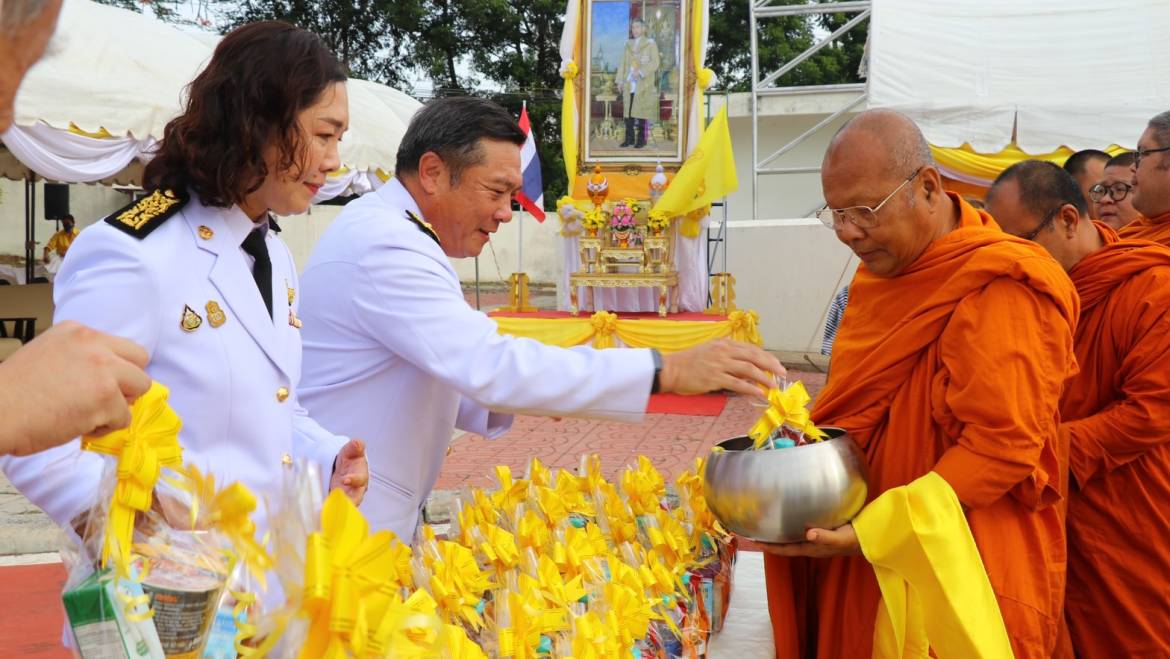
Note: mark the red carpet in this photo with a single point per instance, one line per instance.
(704, 405)
(30, 611)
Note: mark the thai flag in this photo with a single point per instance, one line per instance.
(531, 194)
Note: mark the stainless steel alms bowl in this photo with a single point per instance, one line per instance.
(777, 495)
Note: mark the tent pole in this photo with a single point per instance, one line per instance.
(30, 229)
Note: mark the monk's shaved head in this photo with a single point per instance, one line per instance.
(887, 199)
(902, 143)
(1042, 187)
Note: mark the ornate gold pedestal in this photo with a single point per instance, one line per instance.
(665, 282)
(518, 294)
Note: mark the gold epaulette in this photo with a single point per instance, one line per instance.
(423, 226)
(141, 217)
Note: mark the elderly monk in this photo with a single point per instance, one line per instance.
(1087, 167)
(951, 359)
(1115, 413)
(1112, 197)
(1151, 184)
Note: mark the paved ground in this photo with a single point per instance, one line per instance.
(30, 614)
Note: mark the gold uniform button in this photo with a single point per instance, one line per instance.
(286, 459)
(205, 232)
(282, 394)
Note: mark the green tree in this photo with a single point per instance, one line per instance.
(371, 37)
(167, 10)
(515, 45)
(780, 40)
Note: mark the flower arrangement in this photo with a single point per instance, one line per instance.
(658, 221)
(634, 205)
(622, 218)
(594, 220)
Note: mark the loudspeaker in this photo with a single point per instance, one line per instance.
(56, 201)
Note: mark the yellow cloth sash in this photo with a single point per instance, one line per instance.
(935, 591)
(601, 328)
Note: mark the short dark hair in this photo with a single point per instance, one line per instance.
(1127, 159)
(260, 78)
(452, 128)
(1078, 161)
(68, 216)
(1043, 187)
(1160, 124)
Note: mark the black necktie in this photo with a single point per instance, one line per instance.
(255, 246)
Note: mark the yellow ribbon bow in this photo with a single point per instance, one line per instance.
(499, 547)
(559, 593)
(644, 486)
(511, 493)
(631, 611)
(458, 646)
(538, 474)
(520, 637)
(745, 326)
(604, 326)
(788, 407)
(409, 629)
(533, 532)
(150, 443)
(344, 566)
(570, 70)
(594, 638)
(457, 583)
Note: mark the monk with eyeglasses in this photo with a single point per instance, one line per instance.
(948, 370)
(1115, 415)
(1151, 184)
(1112, 196)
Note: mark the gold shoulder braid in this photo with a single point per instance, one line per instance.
(423, 226)
(145, 215)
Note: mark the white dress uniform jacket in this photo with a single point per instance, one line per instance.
(232, 377)
(394, 355)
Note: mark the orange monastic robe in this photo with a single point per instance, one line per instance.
(956, 366)
(1155, 230)
(1116, 414)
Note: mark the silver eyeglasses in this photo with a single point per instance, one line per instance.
(863, 217)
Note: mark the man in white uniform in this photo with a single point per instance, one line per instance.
(394, 354)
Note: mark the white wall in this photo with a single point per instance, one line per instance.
(788, 271)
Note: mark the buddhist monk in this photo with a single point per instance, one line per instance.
(951, 359)
(1088, 168)
(1151, 184)
(1115, 414)
(1112, 197)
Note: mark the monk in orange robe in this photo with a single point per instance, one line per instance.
(1151, 184)
(951, 358)
(1115, 413)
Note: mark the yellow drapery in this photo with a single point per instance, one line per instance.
(935, 590)
(601, 328)
(987, 166)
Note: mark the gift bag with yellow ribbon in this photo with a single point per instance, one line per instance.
(161, 544)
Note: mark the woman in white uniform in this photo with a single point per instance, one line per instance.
(196, 274)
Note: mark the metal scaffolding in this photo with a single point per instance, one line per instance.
(761, 10)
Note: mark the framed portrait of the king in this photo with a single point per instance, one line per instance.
(635, 54)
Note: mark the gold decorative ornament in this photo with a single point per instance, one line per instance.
(147, 209)
(215, 315)
(190, 321)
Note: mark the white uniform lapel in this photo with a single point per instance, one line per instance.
(233, 279)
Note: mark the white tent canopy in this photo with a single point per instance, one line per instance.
(117, 77)
(1048, 73)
